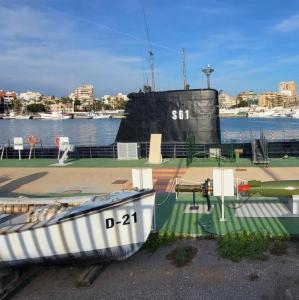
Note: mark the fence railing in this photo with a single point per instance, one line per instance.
(270, 135)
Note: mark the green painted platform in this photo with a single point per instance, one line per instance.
(170, 217)
(169, 163)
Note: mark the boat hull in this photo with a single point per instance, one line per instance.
(110, 233)
(54, 116)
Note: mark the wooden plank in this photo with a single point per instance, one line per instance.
(90, 274)
(155, 156)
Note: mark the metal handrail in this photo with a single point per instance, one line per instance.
(264, 147)
(253, 146)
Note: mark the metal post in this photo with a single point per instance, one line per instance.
(208, 71)
(176, 193)
(146, 150)
(237, 184)
(193, 207)
(155, 221)
(222, 219)
(90, 155)
(30, 151)
(113, 149)
(20, 155)
(2, 152)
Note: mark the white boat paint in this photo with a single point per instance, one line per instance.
(54, 116)
(109, 228)
(23, 117)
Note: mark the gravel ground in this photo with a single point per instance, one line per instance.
(151, 276)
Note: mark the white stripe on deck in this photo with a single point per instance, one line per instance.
(264, 210)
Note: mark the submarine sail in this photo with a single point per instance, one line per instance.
(175, 114)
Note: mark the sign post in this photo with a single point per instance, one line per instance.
(18, 145)
(223, 185)
(32, 141)
(222, 198)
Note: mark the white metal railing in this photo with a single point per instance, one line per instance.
(270, 135)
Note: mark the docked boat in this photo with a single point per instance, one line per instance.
(294, 113)
(10, 116)
(55, 115)
(111, 227)
(23, 117)
(261, 114)
(100, 116)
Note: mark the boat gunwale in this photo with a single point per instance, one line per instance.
(71, 217)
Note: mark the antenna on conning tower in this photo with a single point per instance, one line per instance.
(150, 51)
(184, 68)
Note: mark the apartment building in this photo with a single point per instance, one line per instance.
(273, 99)
(225, 100)
(85, 94)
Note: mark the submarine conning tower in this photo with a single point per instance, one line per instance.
(175, 114)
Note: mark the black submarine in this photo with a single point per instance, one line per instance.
(176, 114)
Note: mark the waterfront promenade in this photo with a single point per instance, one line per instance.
(38, 177)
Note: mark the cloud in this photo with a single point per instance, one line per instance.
(42, 52)
(60, 70)
(25, 23)
(288, 25)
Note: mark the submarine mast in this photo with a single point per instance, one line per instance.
(150, 51)
(208, 71)
(185, 85)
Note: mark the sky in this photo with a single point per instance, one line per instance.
(54, 46)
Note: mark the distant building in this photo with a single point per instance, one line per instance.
(273, 99)
(48, 99)
(30, 97)
(225, 100)
(288, 88)
(115, 102)
(250, 97)
(62, 107)
(7, 100)
(85, 94)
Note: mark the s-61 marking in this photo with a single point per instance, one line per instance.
(125, 220)
(180, 114)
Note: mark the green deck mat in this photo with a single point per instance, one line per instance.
(169, 163)
(170, 218)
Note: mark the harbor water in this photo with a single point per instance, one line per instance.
(103, 131)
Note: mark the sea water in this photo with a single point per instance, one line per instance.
(104, 131)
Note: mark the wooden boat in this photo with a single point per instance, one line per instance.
(111, 227)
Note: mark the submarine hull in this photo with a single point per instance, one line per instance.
(174, 114)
